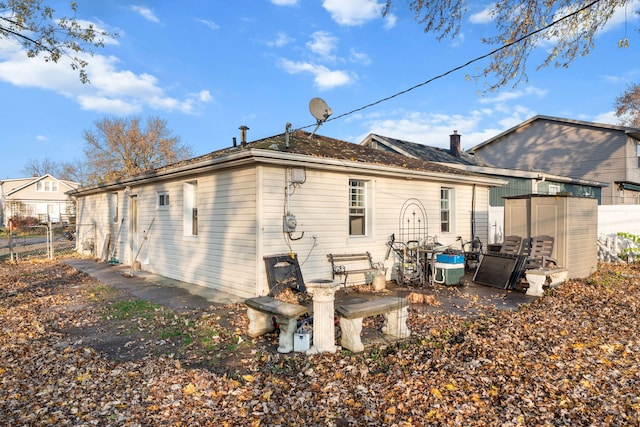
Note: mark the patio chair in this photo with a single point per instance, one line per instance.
(540, 252)
(511, 245)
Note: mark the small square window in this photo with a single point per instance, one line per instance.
(163, 200)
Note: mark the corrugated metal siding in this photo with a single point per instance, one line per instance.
(515, 187)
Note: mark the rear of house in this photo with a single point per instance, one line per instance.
(38, 199)
(572, 148)
(212, 220)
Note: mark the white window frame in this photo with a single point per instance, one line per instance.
(447, 206)
(190, 209)
(47, 186)
(554, 189)
(359, 206)
(162, 200)
(113, 207)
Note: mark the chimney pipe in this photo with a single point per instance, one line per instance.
(243, 135)
(235, 143)
(454, 144)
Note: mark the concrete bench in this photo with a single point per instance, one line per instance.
(395, 310)
(538, 278)
(260, 311)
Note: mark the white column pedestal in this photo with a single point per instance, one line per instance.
(323, 292)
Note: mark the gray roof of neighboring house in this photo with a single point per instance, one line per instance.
(425, 152)
(467, 161)
(633, 132)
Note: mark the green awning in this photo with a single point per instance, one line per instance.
(628, 186)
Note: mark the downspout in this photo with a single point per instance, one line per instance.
(542, 178)
(473, 213)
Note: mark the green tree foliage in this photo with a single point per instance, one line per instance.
(34, 25)
(120, 147)
(521, 28)
(628, 106)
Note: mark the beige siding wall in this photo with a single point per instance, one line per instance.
(94, 222)
(222, 255)
(240, 216)
(321, 209)
(567, 149)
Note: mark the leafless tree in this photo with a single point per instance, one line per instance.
(119, 147)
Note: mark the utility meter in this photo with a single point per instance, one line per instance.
(289, 223)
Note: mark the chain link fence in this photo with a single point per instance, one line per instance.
(46, 241)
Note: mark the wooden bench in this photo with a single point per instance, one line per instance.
(395, 310)
(260, 311)
(346, 264)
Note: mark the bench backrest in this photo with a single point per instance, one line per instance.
(351, 259)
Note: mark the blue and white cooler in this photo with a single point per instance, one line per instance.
(449, 269)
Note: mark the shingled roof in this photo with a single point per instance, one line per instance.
(426, 152)
(296, 144)
(302, 143)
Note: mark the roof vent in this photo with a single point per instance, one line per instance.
(243, 135)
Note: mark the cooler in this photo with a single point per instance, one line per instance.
(448, 273)
(446, 258)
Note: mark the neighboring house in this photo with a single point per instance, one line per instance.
(211, 220)
(40, 197)
(519, 182)
(573, 148)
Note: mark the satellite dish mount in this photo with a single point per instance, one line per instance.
(321, 111)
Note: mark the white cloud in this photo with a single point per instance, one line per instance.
(323, 77)
(515, 94)
(359, 58)
(212, 25)
(433, 129)
(204, 96)
(390, 21)
(608, 117)
(323, 43)
(98, 29)
(146, 13)
(112, 90)
(41, 138)
(281, 40)
(484, 16)
(285, 2)
(353, 12)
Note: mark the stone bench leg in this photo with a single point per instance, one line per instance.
(536, 282)
(557, 277)
(396, 323)
(259, 322)
(287, 329)
(351, 329)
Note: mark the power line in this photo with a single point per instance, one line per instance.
(446, 73)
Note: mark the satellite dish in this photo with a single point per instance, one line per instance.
(320, 110)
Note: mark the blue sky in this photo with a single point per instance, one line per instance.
(208, 67)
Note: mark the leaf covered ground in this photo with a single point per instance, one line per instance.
(74, 351)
